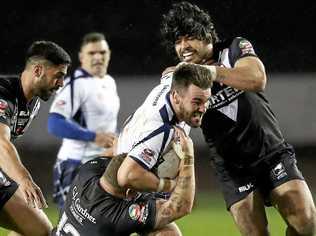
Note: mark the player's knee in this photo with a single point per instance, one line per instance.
(43, 228)
(304, 222)
(254, 229)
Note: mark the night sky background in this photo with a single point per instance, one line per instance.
(281, 31)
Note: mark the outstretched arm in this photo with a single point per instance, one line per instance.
(248, 74)
(11, 164)
(61, 127)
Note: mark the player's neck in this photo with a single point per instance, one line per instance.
(27, 85)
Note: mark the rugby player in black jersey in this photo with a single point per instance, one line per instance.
(21, 200)
(254, 164)
(97, 205)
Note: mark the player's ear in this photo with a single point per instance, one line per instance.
(80, 56)
(176, 96)
(38, 70)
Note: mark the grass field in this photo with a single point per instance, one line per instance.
(208, 218)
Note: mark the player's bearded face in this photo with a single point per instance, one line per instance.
(50, 82)
(190, 49)
(193, 105)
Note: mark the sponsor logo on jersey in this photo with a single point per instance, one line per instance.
(246, 47)
(245, 187)
(147, 155)
(164, 88)
(3, 180)
(224, 97)
(78, 211)
(3, 107)
(143, 214)
(60, 103)
(279, 171)
(24, 113)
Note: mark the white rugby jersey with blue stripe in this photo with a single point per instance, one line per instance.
(147, 133)
(91, 102)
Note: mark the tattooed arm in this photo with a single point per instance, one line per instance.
(181, 200)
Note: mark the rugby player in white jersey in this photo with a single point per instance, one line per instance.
(147, 133)
(84, 113)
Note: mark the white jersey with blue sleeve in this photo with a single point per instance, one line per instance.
(91, 102)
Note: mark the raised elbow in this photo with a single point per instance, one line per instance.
(260, 82)
(186, 209)
(123, 179)
(126, 178)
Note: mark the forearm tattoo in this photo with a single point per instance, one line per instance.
(179, 200)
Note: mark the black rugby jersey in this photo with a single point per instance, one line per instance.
(15, 111)
(239, 126)
(89, 210)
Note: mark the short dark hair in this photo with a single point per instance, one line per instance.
(48, 51)
(184, 19)
(92, 38)
(187, 74)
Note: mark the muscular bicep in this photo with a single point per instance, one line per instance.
(253, 64)
(130, 165)
(5, 133)
(129, 170)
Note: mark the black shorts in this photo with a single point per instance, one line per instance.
(236, 183)
(90, 210)
(7, 188)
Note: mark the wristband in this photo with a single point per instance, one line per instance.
(212, 70)
(189, 161)
(161, 184)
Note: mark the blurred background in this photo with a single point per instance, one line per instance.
(281, 35)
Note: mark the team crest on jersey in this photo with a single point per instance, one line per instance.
(246, 47)
(279, 171)
(134, 211)
(3, 105)
(147, 155)
(138, 212)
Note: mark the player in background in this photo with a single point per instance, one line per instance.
(21, 200)
(254, 164)
(84, 113)
(97, 205)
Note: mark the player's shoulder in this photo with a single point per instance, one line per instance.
(110, 81)
(110, 78)
(95, 166)
(232, 42)
(166, 77)
(9, 85)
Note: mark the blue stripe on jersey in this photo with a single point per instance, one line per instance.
(165, 129)
(79, 118)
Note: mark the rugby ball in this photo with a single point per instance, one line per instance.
(169, 167)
